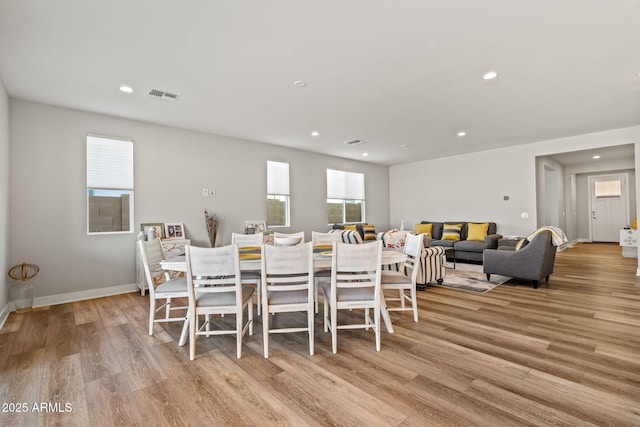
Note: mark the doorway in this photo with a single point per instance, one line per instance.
(608, 206)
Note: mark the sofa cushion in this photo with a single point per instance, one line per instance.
(424, 228)
(444, 243)
(436, 229)
(470, 246)
(477, 232)
(451, 231)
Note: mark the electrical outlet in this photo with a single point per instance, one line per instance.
(205, 192)
(212, 193)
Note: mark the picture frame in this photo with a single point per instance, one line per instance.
(174, 230)
(159, 229)
(256, 226)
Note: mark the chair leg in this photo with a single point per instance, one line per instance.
(414, 303)
(152, 313)
(334, 329)
(192, 335)
(376, 317)
(488, 276)
(239, 319)
(535, 284)
(265, 332)
(310, 322)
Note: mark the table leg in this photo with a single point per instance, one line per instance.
(385, 313)
(185, 332)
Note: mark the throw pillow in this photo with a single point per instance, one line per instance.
(477, 232)
(451, 231)
(350, 227)
(369, 231)
(424, 229)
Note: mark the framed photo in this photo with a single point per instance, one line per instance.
(158, 229)
(174, 230)
(252, 227)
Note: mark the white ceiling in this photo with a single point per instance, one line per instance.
(387, 72)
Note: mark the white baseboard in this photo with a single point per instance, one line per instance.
(84, 295)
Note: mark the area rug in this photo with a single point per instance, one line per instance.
(470, 278)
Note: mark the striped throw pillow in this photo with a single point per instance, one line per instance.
(451, 231)
(369, 231)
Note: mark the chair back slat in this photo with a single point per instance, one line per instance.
(322, 239)
(246, 240)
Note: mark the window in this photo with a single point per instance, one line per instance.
(608, 188)
(277, 194)
(109, 185)
(345, 196)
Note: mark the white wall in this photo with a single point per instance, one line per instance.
(471, 186)
(172, 166)
(4, 199)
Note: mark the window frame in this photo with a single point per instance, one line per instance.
(95, 174)
(349, 185)
(277, 188)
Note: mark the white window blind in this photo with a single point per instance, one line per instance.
(277, 178)
(610, 188)
(109, 163)
(345, 185)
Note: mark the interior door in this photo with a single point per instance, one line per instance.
(608, 195)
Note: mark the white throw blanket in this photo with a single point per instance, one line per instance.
(557, 235)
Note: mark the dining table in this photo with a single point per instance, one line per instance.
(250, 261)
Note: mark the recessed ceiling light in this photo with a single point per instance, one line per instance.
(490, 75)
(404, 146)
(596, 157)
(300, 83)
(315, 133)
(126, 89)
(365, 154)
(462, 133)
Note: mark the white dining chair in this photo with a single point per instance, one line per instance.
(287, 239)
(322, 241)
(250, 277)
(215, 288)
(354, 284)
(161, 285)
(287, 286)
(405, 278)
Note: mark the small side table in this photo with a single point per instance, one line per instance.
(508, 243)
(629, 243)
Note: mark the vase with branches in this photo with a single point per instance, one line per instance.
(212, 222)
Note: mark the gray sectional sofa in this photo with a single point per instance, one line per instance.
(465, 250)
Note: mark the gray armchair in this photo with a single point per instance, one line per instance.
(532, 262)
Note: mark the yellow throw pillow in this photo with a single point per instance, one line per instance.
(477, 232)
(451, 231)
(369, 232)
(350, 227)
(424, 228)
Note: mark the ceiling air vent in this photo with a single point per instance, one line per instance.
(165, 96)
(354, 142)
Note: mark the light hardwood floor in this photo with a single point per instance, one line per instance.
(567, 353)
